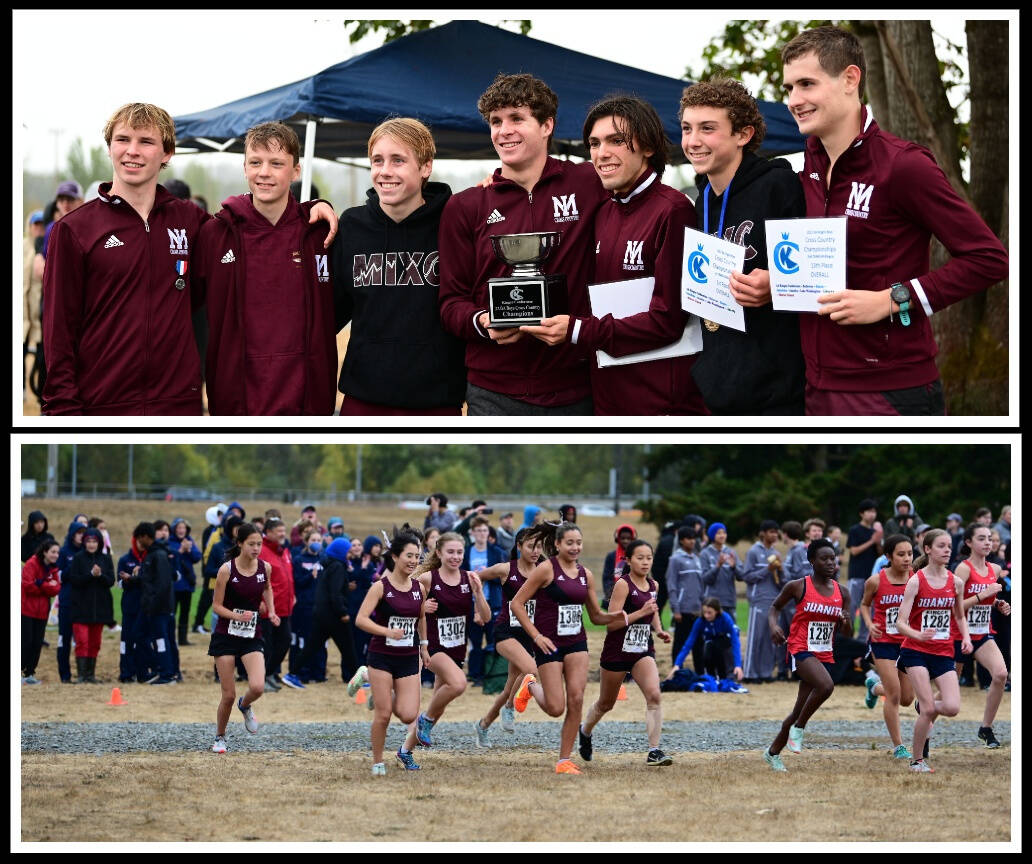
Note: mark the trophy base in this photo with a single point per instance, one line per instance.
(517, 300)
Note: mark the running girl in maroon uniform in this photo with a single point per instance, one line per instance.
(456, 592)
(883, 592)
(561, 588)
(629, 648)
(511, 640)
(242, 589)
(932, 600)
(821, 608)
(981, 585)
(393, 610)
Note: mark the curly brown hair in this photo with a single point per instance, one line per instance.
(732, 96)
(513, 91)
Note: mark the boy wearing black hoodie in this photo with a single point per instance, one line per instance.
(400, 360)
(761, 370)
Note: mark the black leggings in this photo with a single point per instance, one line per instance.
(203, 605)
(323, 628)
(183, 599)
(32, 631)
(277, 643)
(714, 655)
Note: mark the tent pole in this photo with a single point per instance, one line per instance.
(306, 164)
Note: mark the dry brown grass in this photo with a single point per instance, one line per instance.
(458, 797)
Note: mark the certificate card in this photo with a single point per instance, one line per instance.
(807, 258)
(705, 277)
(629, 297)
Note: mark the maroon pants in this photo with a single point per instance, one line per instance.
(87, 639)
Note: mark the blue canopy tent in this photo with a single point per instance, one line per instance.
(437, 75)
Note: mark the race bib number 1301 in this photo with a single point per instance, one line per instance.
(408, 625)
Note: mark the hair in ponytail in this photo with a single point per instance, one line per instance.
(550, 533)
(243, 531)
(926, 543)
(399, 539)
(433, 560)
(629, 551)
(521, 535)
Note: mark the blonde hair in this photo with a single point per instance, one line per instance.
(433, 560)
(409, 132)
(138, 115)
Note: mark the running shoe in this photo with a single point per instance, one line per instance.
(164, 681)
(481, 735)
(584, 745)
(380, 770)
(250, 724)
(737, 688)
(565, 766)
(407, 760)
(658, 757)
(293, 681)
(200, 629)
(523, 695)
(356, 681)
(508, 719)
(871, 699)
(423, 726)
(985, 733)
(219, 746)
(774, 761)
(902, 752)
(30, 679)
(271, 685)
(795, 739)
(921, 767)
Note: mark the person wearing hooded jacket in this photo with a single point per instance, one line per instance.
(262, 268)
(612, 567)
(760, 371)
(184, 555)
(306, 559)
(221, 537)
(90, 577)
(134, 658)
(40, 581)
(400, 360)
(363, 572)
(904, 520)
(331, 616)
(71, 547)
(276, 554)
(157, 575)
(35, 533)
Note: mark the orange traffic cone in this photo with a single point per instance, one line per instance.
(360, 696)
(622, 695)
(116, 697)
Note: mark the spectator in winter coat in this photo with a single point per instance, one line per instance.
(35, 533)
(72, 545)
(157, 576)
(763, 572)
(281, 574)
(41, 580)
(135, 656)
(479, 556)
(220, 541)
(720, 568)
(612, 567)
(505, 533)
(308, 517)
(364, 571)
(532, 515)
(307, 563)
(91, 577)
(185, 555)
(439, 516)
(684, 583)
(904, 519)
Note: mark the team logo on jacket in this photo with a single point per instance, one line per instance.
(228, 258)
(177, 243)
(632, 256)
(112, 242)
(322, 268)
(396, 268)
(465, 588)
(495, 217)
(815, 176)
(783, 255)
(695, 263)
(859, 204)
(565, 208)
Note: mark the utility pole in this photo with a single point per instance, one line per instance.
(132, 489)
(75, 468)
(645, 491)
(358, 470)
(51, 470)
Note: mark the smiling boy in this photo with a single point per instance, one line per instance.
(265, 272)
(871, 348)
(759, 371)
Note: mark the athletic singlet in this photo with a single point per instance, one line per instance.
(398, 610)
(885, 608)
(979, 616)
(933, 607)
(509, 588)
(633, 642)
(446, 628)
(243, 594)
(559, 605)
(814, 622)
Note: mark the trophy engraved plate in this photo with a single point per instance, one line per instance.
(527, 296)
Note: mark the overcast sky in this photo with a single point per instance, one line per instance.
(72, 68)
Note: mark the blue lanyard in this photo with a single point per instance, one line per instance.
(723, 210)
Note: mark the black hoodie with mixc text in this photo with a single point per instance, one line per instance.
(386, 276)
(760, 371)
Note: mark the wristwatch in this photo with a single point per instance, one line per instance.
(899, 293)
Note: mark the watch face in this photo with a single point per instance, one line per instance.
(900, 293)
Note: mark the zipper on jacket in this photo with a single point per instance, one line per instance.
(146, 226)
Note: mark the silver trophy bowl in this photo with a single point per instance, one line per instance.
(525, 251)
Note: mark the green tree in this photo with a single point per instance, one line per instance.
(88, 167)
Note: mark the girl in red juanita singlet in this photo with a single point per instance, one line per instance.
(883, 592)
(932, 600)
(629, 648)
(560, 588)
(511, 641)
(393, 611)
(822, 607)
(456, 593)
(981, 585)
(242, 587)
